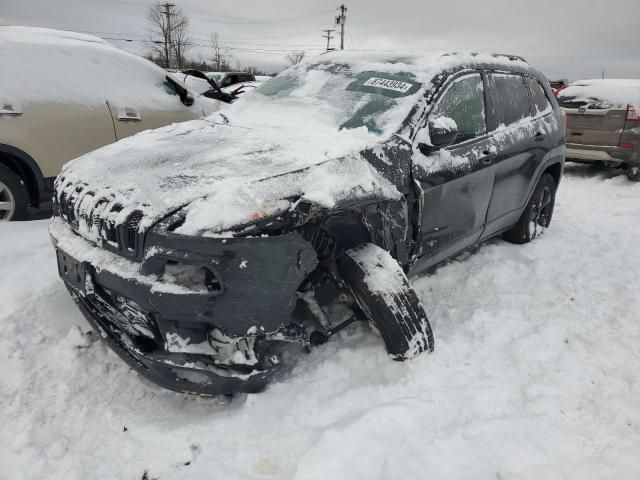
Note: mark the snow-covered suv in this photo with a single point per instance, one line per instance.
(202, 251)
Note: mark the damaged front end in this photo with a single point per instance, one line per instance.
(192, 314)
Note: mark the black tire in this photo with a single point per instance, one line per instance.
(393, 307)
(633, 172)
(13, 195)
(537, 214)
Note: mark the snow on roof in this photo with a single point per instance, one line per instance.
(611, 92)
(46, 35)
(66, 67)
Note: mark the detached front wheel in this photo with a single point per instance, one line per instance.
(384, 295)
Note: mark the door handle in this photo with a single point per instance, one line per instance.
(128, 114)
(539, 137)
(488, 157)
(10, 109)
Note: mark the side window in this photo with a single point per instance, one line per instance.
(464, 102)
(540, 99)
(169, 87)
(226, 82)
(511, 98)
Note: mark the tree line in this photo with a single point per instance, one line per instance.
(171, 25)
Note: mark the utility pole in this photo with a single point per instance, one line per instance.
(167, 38)
(329, 37)
(341, 20)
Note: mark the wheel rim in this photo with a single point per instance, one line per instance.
(540, 213)
(7, 203)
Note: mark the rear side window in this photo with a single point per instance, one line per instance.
(511, 98)
(464, 102)
(540, 99)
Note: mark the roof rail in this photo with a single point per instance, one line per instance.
(510, 57)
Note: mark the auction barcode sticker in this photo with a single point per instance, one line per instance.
(395, 85)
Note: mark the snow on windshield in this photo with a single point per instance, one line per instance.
(43, 65)
(605, 93)
(339, 95)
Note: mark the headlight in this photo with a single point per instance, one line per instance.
(270, 209)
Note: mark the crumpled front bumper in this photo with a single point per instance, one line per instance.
(139, 317)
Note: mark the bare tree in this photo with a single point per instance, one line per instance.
(295, 58)
(171, 26)
(180, 39)
(220, 56)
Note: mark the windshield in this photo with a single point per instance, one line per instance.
(336, 95)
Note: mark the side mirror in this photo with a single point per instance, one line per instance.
(443, 131)
(188, 100)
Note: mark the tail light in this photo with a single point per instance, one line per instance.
(633, 113)
(627, 146)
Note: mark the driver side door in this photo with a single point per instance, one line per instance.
(455, 183)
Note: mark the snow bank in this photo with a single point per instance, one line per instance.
(605, 93)
(534, 375)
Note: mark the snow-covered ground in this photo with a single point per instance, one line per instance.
(536, 374)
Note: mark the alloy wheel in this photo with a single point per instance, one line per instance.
(7, 203)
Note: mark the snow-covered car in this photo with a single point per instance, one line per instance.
(603, 122)
(202, 251)
(63, 94)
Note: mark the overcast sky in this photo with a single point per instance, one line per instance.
(564, 38)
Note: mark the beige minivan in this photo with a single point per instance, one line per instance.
(63, 94)
(603, 122)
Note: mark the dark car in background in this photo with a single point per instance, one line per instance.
(201, 252)
(603, 123)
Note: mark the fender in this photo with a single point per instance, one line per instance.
(27, 167)
(555, 156)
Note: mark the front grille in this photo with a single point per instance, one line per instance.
(100, 218)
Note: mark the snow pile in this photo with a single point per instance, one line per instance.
(605, 93)
(535, 374)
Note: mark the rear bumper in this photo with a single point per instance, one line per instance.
(162, 332)
(601, 153)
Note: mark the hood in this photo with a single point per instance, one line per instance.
(221, 170)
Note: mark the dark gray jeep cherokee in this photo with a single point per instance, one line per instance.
(203, 251)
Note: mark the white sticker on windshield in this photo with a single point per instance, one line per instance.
(387, 84)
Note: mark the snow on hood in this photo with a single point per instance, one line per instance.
(309, 123)
(158, 171)
(605, 93)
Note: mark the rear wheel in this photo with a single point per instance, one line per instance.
(537, 214)
(14, 197)
(384, 295)
(633, 172)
